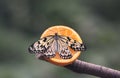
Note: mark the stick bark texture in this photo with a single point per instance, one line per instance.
(93, 69)
(88, 68)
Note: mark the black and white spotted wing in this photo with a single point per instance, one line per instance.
(76, 46)
(49, 45)
(44, 46)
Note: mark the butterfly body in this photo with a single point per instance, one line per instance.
(49, 45)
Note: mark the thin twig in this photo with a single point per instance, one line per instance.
(92, 69)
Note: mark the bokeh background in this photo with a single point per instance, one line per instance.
(23, 21)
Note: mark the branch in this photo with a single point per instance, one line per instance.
(89, 68)
(92, 69)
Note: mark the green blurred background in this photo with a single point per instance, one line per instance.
(23, 21)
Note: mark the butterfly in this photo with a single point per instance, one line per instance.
(49, 45)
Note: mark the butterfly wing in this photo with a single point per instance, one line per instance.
(43, 46)
(37, 47)
(50, 48)
(64, 43)
(63, 49)
(76, 46)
